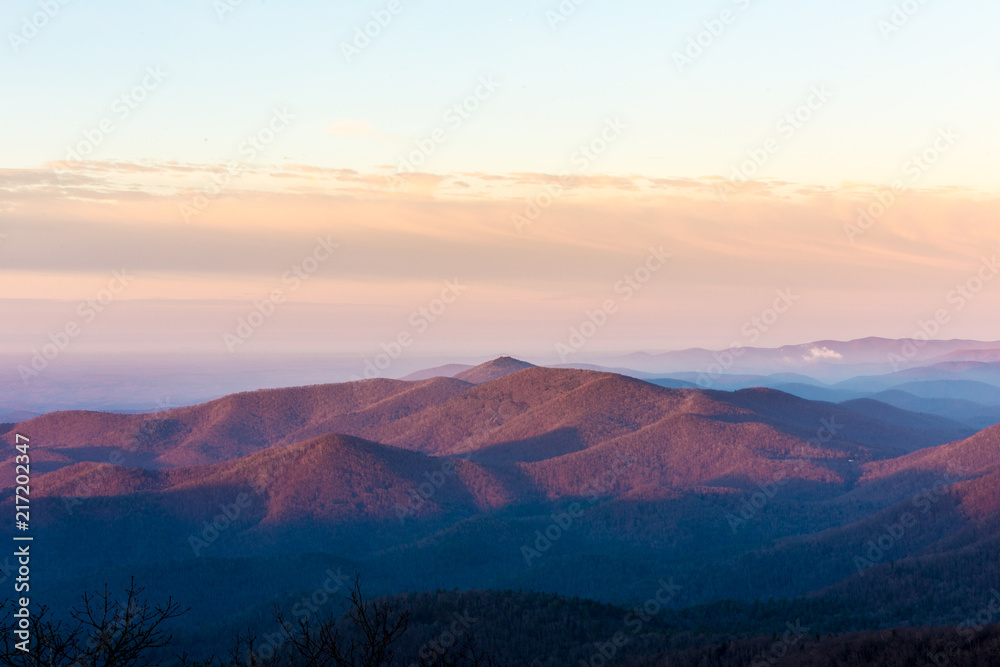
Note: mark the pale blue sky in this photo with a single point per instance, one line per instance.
(942, 68)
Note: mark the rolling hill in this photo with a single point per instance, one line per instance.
(528, 414)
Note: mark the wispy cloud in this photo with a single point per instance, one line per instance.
(817, 353)
(728, 256)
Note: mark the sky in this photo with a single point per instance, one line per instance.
(482, 178)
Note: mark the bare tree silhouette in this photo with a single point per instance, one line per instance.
(104, 632)
(107, 632)
(366, 639)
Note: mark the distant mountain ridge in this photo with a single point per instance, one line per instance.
(826, 359)
(141, 385)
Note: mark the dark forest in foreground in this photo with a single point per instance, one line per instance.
(476, 629)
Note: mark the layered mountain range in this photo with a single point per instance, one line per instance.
(511, 476)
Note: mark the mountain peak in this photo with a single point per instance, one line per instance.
(492, 370)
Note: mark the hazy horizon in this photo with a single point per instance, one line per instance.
(48, 379)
